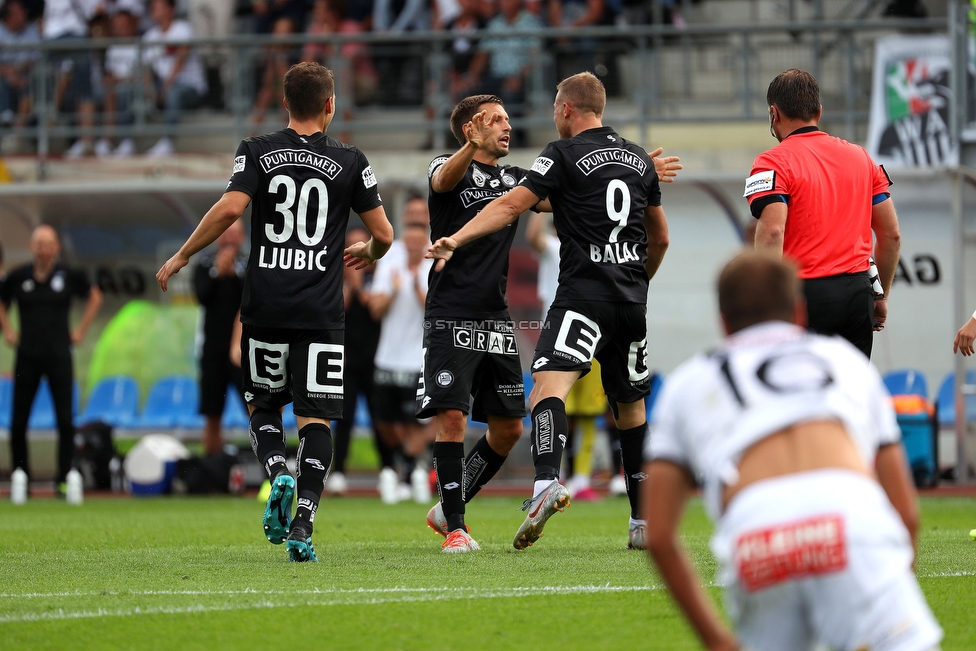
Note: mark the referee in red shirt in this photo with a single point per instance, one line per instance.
(818, 198)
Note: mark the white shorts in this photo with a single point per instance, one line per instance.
(821, 557)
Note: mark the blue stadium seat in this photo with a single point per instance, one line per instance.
(907, 382)
(235, 413)
(42, 411)
(362, 419)
(171, 402)
(288, 420)
(6, 400)
(945, 401)
(114, 400)
(657, 381)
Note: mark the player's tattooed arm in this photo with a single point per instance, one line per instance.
(225, 212)
(448, 175)
(667, 167)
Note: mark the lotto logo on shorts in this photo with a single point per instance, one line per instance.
(792, 551)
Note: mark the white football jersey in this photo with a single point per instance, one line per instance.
(761, 380)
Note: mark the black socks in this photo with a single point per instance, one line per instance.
(449, 464)
(268, 440)
(632, 455)
(314, 460)
(549, 431)
(479, 467)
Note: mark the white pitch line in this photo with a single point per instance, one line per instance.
(329, 591)
(334, 597)
(341, 597)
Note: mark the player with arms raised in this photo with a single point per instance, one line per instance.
(470, 348)
(301, 184)
(606, 203)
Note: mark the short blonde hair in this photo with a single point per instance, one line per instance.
(585, 92)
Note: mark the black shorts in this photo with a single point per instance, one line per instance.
(281, 365)
(216, 374)
(465, 359)
(395, 396)
(842, 305)
(615, 333)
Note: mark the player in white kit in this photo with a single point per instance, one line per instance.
(795, 442)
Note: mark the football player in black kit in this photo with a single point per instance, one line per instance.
(469, 341)
(606, 203)
(302, 184)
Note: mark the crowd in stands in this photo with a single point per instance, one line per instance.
(102, 88)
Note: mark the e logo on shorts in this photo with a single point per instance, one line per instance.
(637, 361)
(267, 362)
(325, 362)
(578, 336)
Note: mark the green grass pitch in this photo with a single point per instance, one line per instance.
(175, 573)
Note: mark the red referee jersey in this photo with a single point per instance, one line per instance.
(829, 185)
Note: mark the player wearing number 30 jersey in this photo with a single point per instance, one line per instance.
(606, 204)
(301, 185)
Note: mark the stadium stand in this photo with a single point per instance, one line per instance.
(114, 400)
(945, 401)
(171, 402)
(235, 413)
(907, 381)
(6, 400)
(42, 411)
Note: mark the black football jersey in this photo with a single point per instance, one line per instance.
(599, 186)
(473, 282)
(301, 189)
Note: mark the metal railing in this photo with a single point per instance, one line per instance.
(653, 73)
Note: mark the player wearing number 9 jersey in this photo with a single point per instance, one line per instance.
(301, 184)
(606, 204)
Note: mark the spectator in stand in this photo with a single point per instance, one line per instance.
(267, 14)
(66, 21)
(181, 81)
(119, 80)
(15, 68)
(443, 12)
(467, 60)
(361, 12)
(403, 74)
(578, 54)
(277, 59)
(510, 58)
(351, 62)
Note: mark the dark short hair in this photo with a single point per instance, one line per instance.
(585, 92)
(466, 109)
(755, 287)
(796, 93)
(308, 86)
